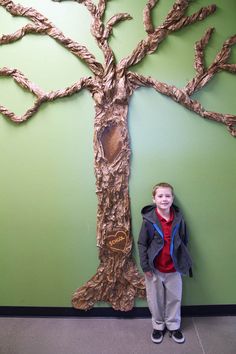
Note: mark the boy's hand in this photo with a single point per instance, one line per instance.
(148, 274)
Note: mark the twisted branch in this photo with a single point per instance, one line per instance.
(40, 95)
(102, 7)
(176, 13)
(99, 30)
(204, 75)
(102, 33)
(43, 26)
(29, 28)
(173, 22)
(175, 19)
(199, 51)
(113, 21)
(147, 18)
(182, 97)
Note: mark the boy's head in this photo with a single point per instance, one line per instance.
(162, 185)
(163, 196)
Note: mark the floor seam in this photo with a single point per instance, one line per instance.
(198, 337)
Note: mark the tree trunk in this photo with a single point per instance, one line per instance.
(117, 280)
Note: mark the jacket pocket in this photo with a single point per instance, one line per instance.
(183, 259)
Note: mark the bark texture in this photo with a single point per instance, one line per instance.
(117, 280)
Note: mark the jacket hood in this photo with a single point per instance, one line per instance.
(148, 212)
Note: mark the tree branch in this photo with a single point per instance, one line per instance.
(182, 97)
(175, 19)
(229, 67)
(176, 13)
(173, 22)
(89, 4)
(29, 28)
(22, 81)
(113, 21)
(101, 35)
(199, 51)
(43, 26)
(147, 18)
(102, 6)
(204, 75)
(41, 96)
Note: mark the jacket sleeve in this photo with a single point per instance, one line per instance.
(143, 243)
(184, 232)
(184, 236)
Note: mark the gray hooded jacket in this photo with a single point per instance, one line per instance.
(151, 241)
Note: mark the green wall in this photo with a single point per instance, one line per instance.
(47, 185)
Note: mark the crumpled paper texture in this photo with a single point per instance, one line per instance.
(117, 280)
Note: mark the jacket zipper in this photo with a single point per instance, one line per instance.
(157, 228)
(172, 244)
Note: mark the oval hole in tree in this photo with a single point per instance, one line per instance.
(111, 140)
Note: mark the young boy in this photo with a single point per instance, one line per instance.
(164, 257)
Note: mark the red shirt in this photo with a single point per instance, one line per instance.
(163, 261)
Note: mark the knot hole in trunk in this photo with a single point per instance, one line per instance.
(111, 140)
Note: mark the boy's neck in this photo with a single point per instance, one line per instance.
(164, 213)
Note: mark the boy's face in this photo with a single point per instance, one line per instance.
(163, 198)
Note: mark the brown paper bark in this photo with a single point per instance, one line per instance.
(117, 280)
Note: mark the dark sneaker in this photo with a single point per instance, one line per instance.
(177, 336)
(157, 336)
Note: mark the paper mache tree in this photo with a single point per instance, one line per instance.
(117, 280)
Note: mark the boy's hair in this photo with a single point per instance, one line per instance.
(163, 185)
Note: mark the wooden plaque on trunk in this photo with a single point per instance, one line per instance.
(117, 241)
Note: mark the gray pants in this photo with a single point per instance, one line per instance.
(164, 293)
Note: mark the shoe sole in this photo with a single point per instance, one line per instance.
(179, 341)
(157, 341)
(176, 340)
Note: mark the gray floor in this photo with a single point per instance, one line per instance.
(205, 335)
